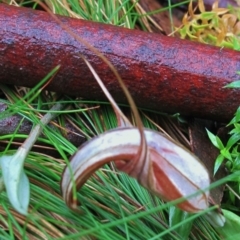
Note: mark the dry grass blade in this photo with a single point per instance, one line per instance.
(32, 231)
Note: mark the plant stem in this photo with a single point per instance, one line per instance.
(34, 134)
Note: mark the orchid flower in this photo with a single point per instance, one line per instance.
(162, 166)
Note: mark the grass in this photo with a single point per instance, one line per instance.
(113, 205)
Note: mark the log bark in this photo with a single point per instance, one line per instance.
(162, 73)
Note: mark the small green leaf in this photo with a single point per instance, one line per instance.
(235, 84)
(236, 164)
(218, 163)
(215, 140)
(236, 129)
(219, 142)
(233, 140)
(237, 115)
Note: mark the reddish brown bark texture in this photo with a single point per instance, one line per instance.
(162, 73)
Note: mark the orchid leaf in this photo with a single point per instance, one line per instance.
(16, 181)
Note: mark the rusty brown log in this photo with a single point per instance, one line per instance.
(162, 73)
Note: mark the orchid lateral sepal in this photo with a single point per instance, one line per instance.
(167, 170)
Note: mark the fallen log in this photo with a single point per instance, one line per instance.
(162, 73)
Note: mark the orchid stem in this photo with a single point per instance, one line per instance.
(34, 134)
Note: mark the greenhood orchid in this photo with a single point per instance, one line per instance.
(159, 164)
